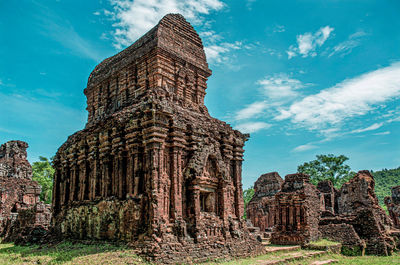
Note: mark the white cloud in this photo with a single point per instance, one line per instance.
(347, 46)
(97, 13)
(135, 17)
(1, 82)
(369, 128)
(291, 54)
(304, 147)
(210, 35)
(278, 89)
(279, 29)
(250, 127)
(218, 53)
(280, 86)
(382, 133)
(352, 97)
(308, 42)
(251, 111)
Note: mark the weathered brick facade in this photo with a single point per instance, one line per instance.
(299, 210)
(29, 226)
(329, 198)
(19, 193)
(152, 167)
(358, 203)
(262, 209)
(13, 163)
(393, 206)
(350, 215)
(17, 189)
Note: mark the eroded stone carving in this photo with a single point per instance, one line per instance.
(393, 206)
(298, 205)
(262, 209)
(358, 206)
(18, 192)
(351, 215)
(329, 200)
(152, 167)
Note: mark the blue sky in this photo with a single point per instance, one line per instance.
(302, 77)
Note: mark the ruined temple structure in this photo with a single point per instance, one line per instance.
(13, 162)
(262, 209)
(298, 205)
(18, 192)
(393, 205)
(152, 167)
(30, 226)
(350, 215)
(329, 193)
(358, 221)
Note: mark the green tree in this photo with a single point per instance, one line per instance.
(247, 196)
(385, 179)
(327, 167)
(43, 173)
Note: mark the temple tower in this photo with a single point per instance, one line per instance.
(152, 165)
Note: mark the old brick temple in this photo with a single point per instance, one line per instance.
(262, 209)
(152, 166)
(21, 212)
(17, 189)
(304, 213)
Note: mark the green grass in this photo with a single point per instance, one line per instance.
(68, 253)
(359, 260)
(258, 259)
(364, 260)
(324, 242)
(104, 253)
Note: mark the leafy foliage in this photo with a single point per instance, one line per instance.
(327, 167)
(385, 179)
(247, 196)
(43, 173)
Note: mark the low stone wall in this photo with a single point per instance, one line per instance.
(104, 220)
(352, 244)
(188, 252)
(28, 226)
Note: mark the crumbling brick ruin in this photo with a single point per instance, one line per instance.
(30, 226)
(262, 209)
(13, 162)
(152, 167)
(358, 207)
(393, 205)
(18, 192)
(329, 193)
(351, 215)
(298, 205)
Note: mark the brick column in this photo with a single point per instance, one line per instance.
(176, 183)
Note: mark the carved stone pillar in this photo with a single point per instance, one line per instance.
(82, 180)
(75, 181)
(283, 220)
(97, 179)
(239, 205)
(92, 178)
(196, 202)
(105, 176)
(130, 173)
(137, 174)
(176, 183)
